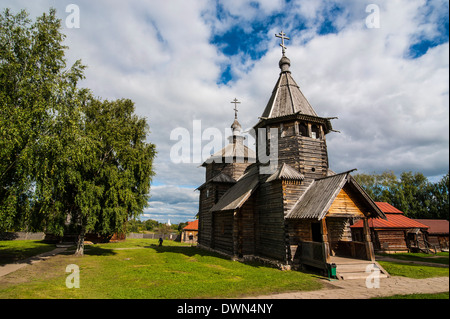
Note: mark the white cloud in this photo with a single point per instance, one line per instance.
(392, 109)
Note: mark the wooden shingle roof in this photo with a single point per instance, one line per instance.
(287, 98)
(287, 102)
(319, 196)
(236, 196)
(233, 152)
(286, 172)
(219, 178)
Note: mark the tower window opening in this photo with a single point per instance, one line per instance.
(315, 132)
(303, 129)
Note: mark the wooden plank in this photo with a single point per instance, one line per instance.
(343, 205)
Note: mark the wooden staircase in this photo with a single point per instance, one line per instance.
(422, 245)
(349, 268)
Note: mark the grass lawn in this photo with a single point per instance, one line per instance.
(140, 269)
(14, 250)
(442, 295)
(439, 258)
(416, 270)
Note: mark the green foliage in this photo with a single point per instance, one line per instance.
(34, 87)
(136, 226)
(412, 193)
(67, 159)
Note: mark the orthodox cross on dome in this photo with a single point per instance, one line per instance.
(283, 37)
(236, 102)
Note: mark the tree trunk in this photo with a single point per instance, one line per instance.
(80, 243)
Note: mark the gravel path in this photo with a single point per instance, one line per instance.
(356, 289)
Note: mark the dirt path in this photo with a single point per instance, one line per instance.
(9, 268)
(356, 289)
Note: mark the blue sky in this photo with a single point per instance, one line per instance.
(184, 60)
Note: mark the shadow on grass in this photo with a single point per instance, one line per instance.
(192, 251)
(13, 254)
(189, 251)
(92, 251)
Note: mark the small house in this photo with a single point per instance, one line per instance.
(437, 233)
(190, 232)
(396, 233)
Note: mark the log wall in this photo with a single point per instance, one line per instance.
(270, 230)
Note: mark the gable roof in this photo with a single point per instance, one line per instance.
(191, 225)
(394, 219)
(286, 172)
(437, 226)
(388, 208)
(317, 199)
(236, 196)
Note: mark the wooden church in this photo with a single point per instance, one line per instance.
(298, 214)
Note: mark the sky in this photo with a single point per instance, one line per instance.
(380, 67)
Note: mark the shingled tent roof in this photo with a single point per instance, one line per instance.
(236, 196)
(287, 101)
(319, 196)
(287, 98)
(232, 153)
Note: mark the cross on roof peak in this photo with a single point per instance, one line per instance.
(236, 102)
(283, 37)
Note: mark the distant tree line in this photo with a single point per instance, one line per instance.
(136, 226)
(411, 193)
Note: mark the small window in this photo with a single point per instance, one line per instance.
(303, 129)
(207, 192)
(315, 131)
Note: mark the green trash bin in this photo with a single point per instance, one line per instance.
(332, 270)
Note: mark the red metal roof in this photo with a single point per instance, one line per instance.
(394, 219)
(437, 226)
(388, 208)
(192, 225)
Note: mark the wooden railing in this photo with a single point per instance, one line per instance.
(353, 249)
(312, 253)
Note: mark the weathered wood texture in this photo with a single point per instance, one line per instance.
(222, 237)
(299, 230)
(234, 170)
(292, 192)
(209, 195)
(244, 229)
(338, 229)
(306, 154)
(270, 221)
(345, 204)
(390, 239)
